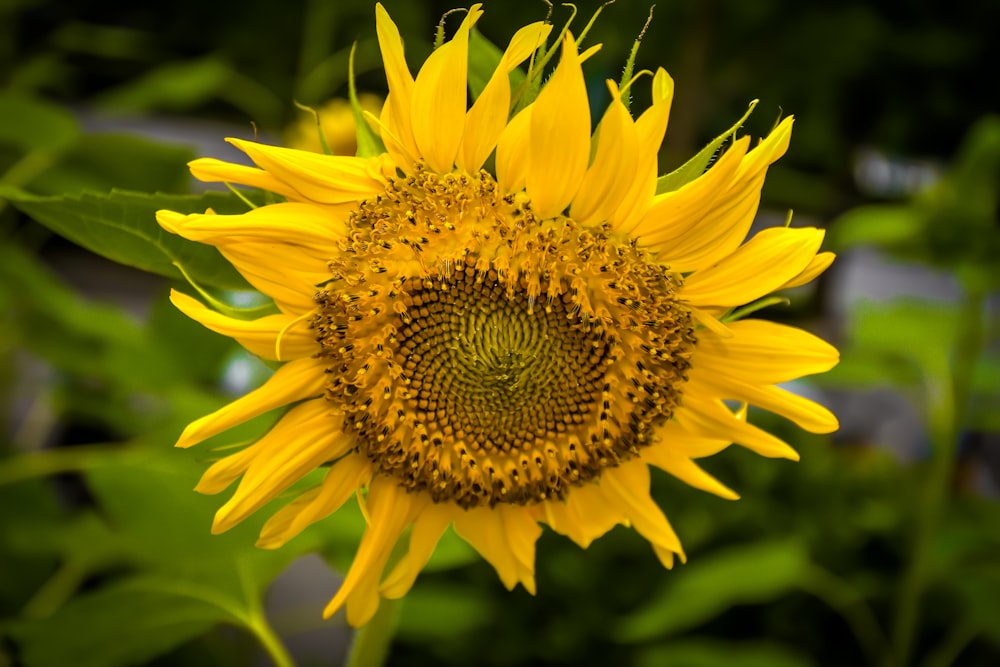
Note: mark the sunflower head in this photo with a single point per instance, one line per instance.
(498, 319)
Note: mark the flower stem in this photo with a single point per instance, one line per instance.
(372, 642)
(946, 404)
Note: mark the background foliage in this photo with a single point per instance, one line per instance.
(861, 553)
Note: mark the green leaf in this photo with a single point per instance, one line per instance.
(696, 166)
(176, 85)
(698, 592)
(122, 227)
(369, 143)
(711, 653)
(99, 162)
(29, 124)
(126, 623)
(882, 225)
(442, 611)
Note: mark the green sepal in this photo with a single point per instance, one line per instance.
(696, 166)
(369, 143)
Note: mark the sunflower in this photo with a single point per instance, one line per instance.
(498, 322)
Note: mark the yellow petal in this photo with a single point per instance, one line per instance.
(764, 352)
(818, 265)
(674, 215)
(211, 170)
(650, 128)
(772, 257)
(260, 336)
(286, 274)
(400, 81)
(613, 171)
(439, 99)
(513, 152)
(728, 222)
(505, 547)
(807, 414)
(686, 470)
(488, 115)
(326, 179)
(710, 418)
(292, 382)
(226, 470)
(294, 223)
(427, 530)
(583, 516)
(390, 509)
(300, 442)
(341, 482)
(560, 136)
(627, 486)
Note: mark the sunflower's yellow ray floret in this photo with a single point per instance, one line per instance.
(773, 257)
(390, 510)
(486, 530)
(807, 414)
(212, 170)
(292, 382)
(339, 485)
(820, 263)
(292, 223)
(257, 336)
(673, 216)
(686, 470)
(512, 156)
(627, 486)
(559, 147)
(650, 128)
(439, 103)
(765, 353)
(324, 179)
(582, 516)
(611, 174)
(227, 470)
(427, 530)
(295, 446)
(488, 115)
(396, 112)
(710, 418)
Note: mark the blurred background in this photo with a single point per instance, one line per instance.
(881, 547)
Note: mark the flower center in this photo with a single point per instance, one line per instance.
(483, 356)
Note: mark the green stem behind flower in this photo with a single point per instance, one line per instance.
(372, 642)
(947, 402)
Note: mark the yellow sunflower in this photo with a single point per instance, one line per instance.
(495, 349)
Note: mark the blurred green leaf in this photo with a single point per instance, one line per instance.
(713, 653)
(901, 343)
(750, 574)
(126, 623)
(149, 498)
(441, 610)
(181, 86)
(31, 124)
(696, 166)
(880, 225)
(100, 162)
(122, 226)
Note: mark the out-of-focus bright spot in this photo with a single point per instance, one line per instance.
(243, 372)
(893, 177)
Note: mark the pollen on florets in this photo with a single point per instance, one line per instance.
(484, 356)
